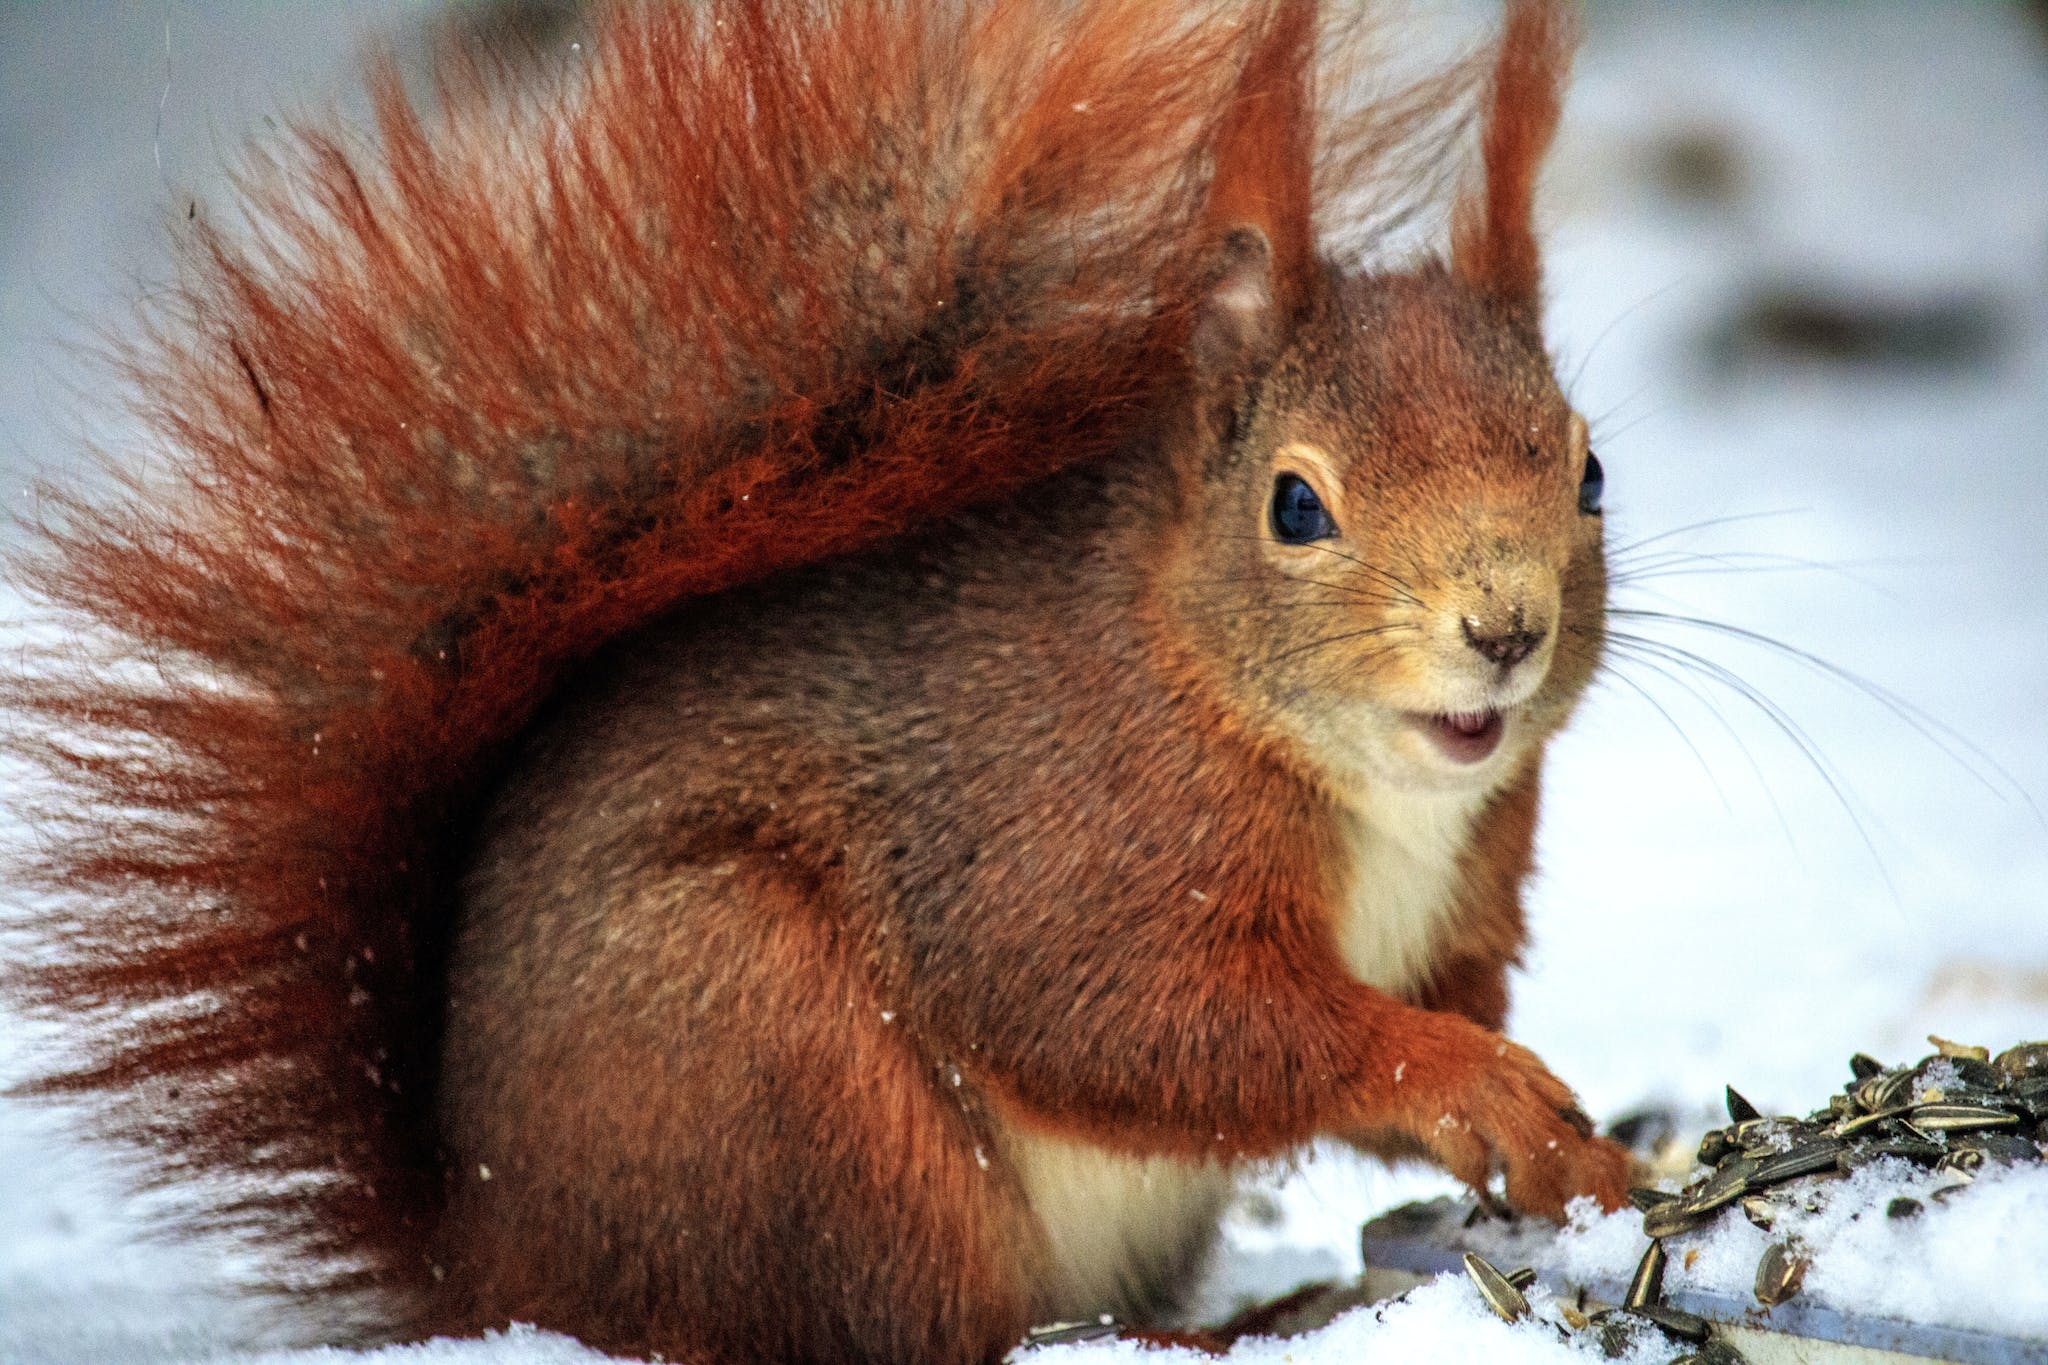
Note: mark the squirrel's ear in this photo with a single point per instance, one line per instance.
(1261, 196)
(1236, 331)
(1493, 242)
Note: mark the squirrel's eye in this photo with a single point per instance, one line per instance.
(1298, 514)
(1591, 484)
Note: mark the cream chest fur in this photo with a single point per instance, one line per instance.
(1122, 1231)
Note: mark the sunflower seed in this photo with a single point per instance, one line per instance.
(1915, 1150)
(1503, 1298)
(2005, 1147)
(1778, 1275)
(1647, 1285)
(1679, 1323)
(1668, 1220)
(1863, 1123)
(1962, 1161)
(1960, 1118)
(2021, 1062)
(1725, 1186)
(1814, 1156)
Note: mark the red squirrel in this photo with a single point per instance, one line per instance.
(772, 705)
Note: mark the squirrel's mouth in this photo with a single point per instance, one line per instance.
(1464, 736)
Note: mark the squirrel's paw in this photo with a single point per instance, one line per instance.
(1486, 1104)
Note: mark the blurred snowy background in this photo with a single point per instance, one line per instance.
(1799, 270)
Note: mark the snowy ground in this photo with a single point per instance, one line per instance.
(1800, 268)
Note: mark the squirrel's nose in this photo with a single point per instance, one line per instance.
(1503, 647)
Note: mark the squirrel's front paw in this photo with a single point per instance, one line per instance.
(1482, 1103)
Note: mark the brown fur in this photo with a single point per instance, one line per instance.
(783, 899)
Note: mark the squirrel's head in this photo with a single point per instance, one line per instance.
(1394, 550)
(1396, 540)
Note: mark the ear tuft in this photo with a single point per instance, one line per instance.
(1263, 181)
(1493, 240)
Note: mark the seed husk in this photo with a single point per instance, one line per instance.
(1668, 1220)
(1778, 1275)
(1617, 1333)
(1863, 1066)
(1945, 1048)
(1523, 1278)
(1863, 1123)
(2021, 1062)
(1760, 1209)
(1889, 1091)
(2031, 1095)
(1814, 1156)
(1963, 1161)
(1679, 1323)
(1725, 1186)
(1714, 1146)
(1916, 1150)
(1065, 1333)
(2006, 1147)
(1647, 1285)
(1741, 1110)
(1712, 1353)
(1960, 1118)
(1975, 1075)
(1503, 1298)
(1904, 1207)
(1644, 1198)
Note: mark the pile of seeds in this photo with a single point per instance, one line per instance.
(1955, 1112)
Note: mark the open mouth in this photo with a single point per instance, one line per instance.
(1464, 736)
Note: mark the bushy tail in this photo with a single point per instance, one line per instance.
(757, 283)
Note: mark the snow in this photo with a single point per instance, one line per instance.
(1954, 1264)
(523, 1345)
(1440, 1322)
(1709, 911)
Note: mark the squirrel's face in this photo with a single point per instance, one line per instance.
(1399, 543)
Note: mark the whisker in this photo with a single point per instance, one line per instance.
(1334, 639)
(1360, 594)
(1599, 433)
(1373, 571)
(1615, 675)
(1783, 722)
(1260, 609)
(1593, 347)
(1706, 525)
(1942, 736)
(1626, 647)
(1623, 570)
